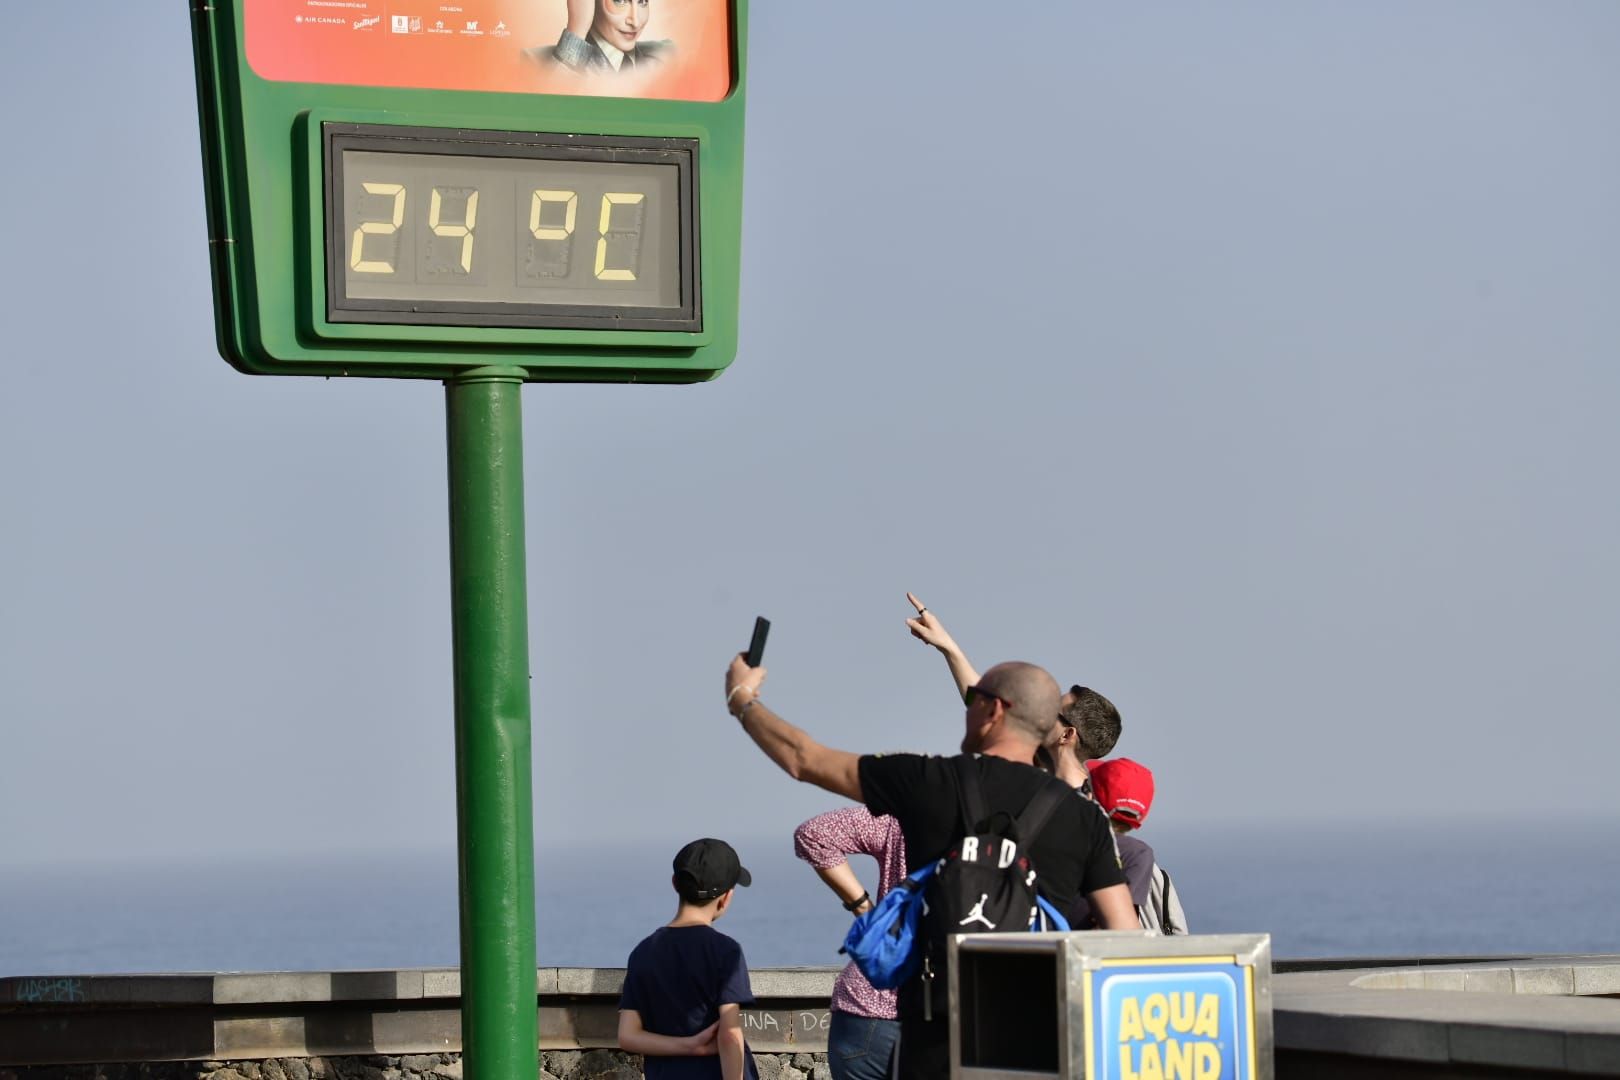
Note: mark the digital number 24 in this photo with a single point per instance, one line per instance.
(466, 229)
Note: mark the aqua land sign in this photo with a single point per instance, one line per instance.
(1163, 1020)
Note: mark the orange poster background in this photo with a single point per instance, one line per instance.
(477, 45)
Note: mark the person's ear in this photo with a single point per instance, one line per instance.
(725, 901)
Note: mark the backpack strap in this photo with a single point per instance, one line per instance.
(1040, 810)
(1175, 919)
(1049, 917)
(970, 794)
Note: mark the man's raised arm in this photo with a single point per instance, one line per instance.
(927, 628)
(800, 756)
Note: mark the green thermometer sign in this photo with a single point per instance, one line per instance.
(485, 183)
(486, 193)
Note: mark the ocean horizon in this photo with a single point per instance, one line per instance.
(1368, 890)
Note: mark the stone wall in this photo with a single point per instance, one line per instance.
(554, 1065)
(376, 1021)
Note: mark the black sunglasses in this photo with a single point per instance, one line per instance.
(977, 692)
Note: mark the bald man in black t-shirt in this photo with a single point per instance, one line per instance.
(1010, 713)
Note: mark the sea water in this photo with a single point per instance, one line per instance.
(1344, 890)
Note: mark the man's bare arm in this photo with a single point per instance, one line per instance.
(927, 628)
(1112, 908)
(798, 755)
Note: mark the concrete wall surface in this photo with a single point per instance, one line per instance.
(1546, 1016)
(255, 1016)
(1554, 1016)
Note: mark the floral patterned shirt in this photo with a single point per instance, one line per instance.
(829, 839)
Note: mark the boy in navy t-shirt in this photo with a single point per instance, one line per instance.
(686, 983)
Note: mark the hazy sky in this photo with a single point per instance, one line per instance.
(1255, 364)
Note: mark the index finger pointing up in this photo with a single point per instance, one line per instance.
(916, 603)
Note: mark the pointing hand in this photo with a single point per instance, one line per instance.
(927, 628)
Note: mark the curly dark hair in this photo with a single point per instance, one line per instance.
(1095, 721)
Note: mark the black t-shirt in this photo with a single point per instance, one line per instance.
(677, 979)
(1136, 859)
(1073, 855)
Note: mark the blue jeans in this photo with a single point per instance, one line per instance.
(861, 1048)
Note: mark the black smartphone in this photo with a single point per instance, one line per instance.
(756, 647)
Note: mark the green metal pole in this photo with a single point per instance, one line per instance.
(494, 791)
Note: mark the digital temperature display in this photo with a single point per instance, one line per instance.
(469, 228)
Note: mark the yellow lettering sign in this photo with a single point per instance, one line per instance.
(1130, 1021)
(1178, 1061)
(1154, 1017)
(1182, 1012)
(1150, 1066)
(1209, 1016)
(1175, 1060)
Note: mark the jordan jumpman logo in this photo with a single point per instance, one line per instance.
(976, 913)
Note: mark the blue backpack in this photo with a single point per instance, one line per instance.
(883, 941)
(886, 944)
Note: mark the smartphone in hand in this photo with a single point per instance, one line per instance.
(756, 647)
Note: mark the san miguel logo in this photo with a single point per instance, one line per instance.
(1175, 1022)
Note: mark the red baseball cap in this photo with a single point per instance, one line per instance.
(1123, 789)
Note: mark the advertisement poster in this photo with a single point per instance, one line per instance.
(1159, 1020)
(673, 49)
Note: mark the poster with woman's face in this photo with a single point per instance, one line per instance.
(674, 49)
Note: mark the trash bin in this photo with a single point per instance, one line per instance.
(1121, 1005)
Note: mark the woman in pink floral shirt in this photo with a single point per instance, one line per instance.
(864, 1032)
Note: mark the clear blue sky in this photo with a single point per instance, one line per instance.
(1252, 363)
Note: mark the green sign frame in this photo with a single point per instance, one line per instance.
(265, 188)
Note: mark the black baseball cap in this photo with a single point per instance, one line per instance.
(706, 868)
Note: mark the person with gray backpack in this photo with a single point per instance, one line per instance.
(1124, 790)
